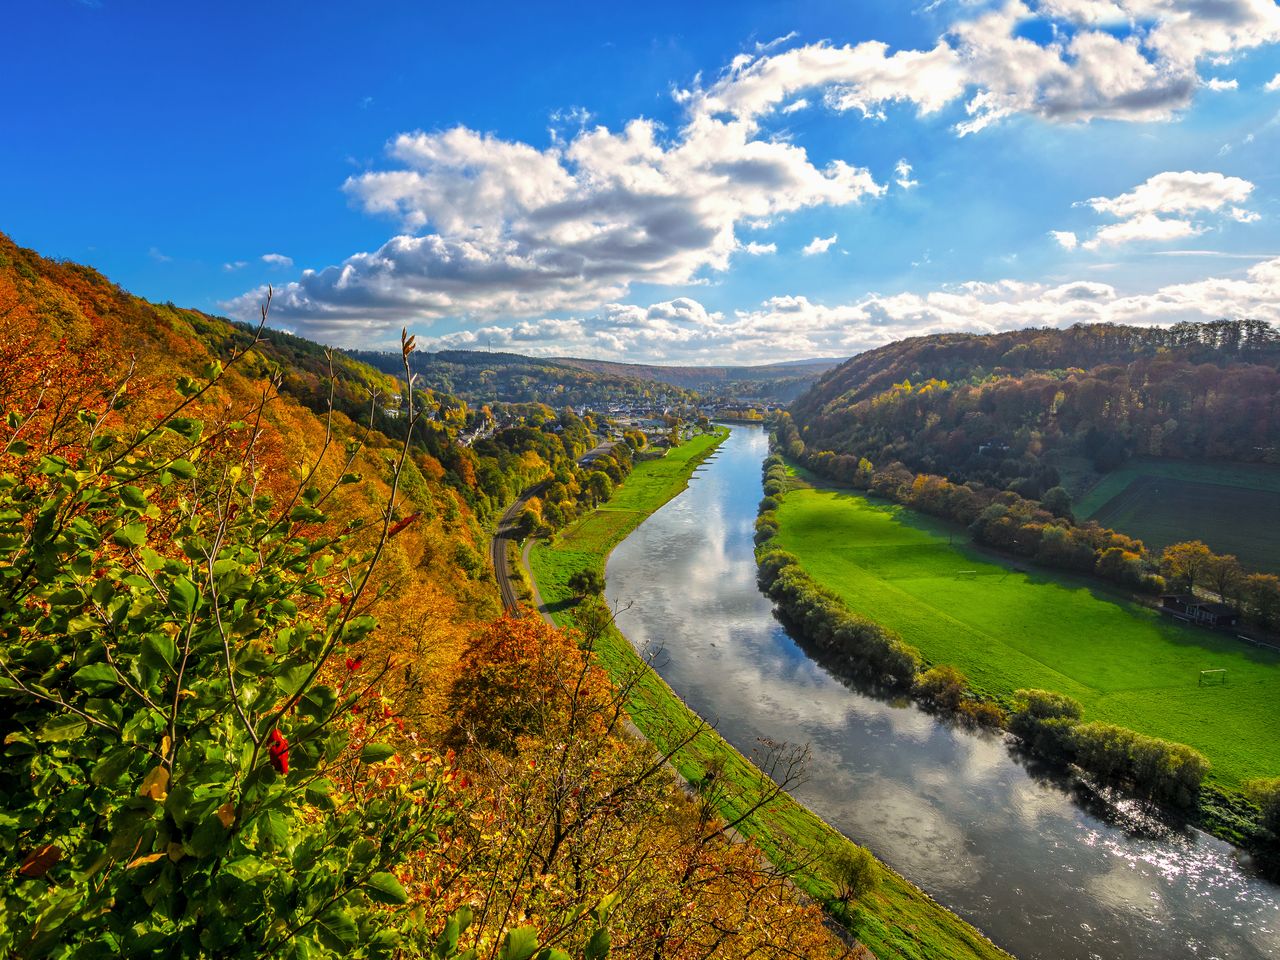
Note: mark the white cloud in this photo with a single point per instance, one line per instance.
(861, 77)
(1120, 59)
(1160, 208)
(498, 227)
(795, 106)
(1176, 192)
(1066, 239)
(759, 249)
(277, 260)
(158, 255)
(792, 327)
(235, 265)
(1273, 84)
(1145, 226)
(819, 245)
(1218, 85)
(902, 175)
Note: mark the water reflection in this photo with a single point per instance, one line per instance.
(1045, 867)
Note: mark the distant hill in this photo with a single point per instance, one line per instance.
(482, 377)
(710, 377)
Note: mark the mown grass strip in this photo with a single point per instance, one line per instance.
(897, 920)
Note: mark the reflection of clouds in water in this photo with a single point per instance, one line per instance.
(915, 835)
(1031, 803)
(951, 809)
(1127, 886)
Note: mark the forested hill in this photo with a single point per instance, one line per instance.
(780, 381)
(483, 377)
(1016, 409)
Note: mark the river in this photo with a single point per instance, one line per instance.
(1046, 870)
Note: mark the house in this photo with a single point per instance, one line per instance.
(1185, 606)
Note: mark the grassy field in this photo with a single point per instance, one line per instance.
(1235, 508)
(1007, 628)
(897, 920)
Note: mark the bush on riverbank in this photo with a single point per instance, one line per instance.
(1052, 727)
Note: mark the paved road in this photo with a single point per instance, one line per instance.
(506, 533)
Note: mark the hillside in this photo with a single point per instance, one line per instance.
(1034, 409)
(480, 377)
(256, 700)
(782, 382)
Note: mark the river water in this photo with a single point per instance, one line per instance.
(1038, 864)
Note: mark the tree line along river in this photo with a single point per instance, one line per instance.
(1041, 865)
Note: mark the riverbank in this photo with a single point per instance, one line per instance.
(1013, 625)
(897, 919)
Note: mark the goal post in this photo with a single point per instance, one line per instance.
(1213, 676)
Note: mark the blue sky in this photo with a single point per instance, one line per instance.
(677, 183)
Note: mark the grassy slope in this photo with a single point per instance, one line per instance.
(1006, 629)
(1234, 507)
(898, 920)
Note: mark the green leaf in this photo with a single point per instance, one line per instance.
(132, 497)
(131, 535)
(273, 831)
(597, 946)
(160, 647)
(377, 752)
(338, 931)
(182, 469)
(183, 596)
(521, 944)
(109, 768)
(385, 888)
(186, 428)
(95, 677)
(64, 727)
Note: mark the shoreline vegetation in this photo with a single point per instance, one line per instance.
(1049, 722)
(890, 916)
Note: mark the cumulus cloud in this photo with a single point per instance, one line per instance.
(277, 260)
(1218, 85)
(1065, 238)
(498, 227)
(759, 249)
(1161, 207)
(902, 175)
(795, 106)
(1273, 84)
(793, 327)
(1120, 59)
(819, 245)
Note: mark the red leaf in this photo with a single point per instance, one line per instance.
(40, 861)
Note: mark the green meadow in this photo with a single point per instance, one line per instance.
(897, 920)
(1006, 627)
(1233, 507)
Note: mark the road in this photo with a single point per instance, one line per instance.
(506, 533)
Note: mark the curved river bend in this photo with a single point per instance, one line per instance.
(1012, 851)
